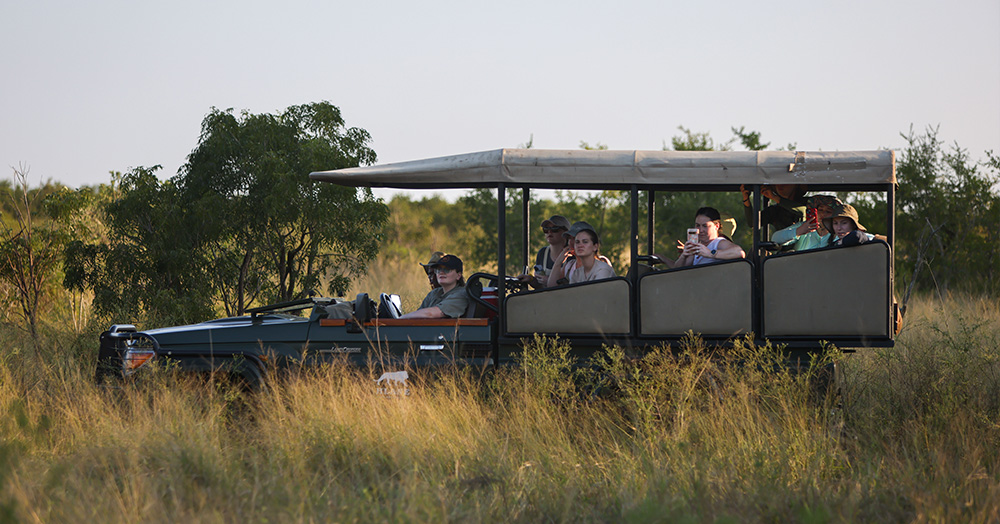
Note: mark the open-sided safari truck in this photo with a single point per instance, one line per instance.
(775, 297)
(800, 299)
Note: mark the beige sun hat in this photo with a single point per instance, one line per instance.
(846, 211)
(430, 263)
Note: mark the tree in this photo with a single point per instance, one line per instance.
(241, 223)
(275, 233)
(150, 263)
(943, 191)
(695, 142)
(750, 139)
(29, 249)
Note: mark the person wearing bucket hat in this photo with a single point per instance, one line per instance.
(429, 268)
(808, 234)
(449, 300)
(587, 264)
(846, 228)
(553, 228)
(712, 245)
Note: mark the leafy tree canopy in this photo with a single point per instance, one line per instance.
(241, 223)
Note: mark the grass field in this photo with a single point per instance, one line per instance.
(676, 437)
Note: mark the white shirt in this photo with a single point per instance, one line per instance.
(713, 245)
(601, 270)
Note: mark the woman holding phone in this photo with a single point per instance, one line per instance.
(710, 246)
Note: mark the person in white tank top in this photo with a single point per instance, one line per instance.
(711, 245)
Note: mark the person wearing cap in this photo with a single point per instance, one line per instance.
(712, 245)
(428, 267)
(788, 205)
(553, 228)
(587, 265)
(449, 300)
(806, 234)
(845, 227)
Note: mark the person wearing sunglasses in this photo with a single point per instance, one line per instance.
(554, 229)
(449, 300)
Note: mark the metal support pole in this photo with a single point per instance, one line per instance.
(650, 222)
(634, 227)
(890, 218)
(501, 242)
(525, 197)
(757, 297)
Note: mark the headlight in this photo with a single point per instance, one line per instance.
(137, 353)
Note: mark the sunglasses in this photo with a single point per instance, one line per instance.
(552, 229)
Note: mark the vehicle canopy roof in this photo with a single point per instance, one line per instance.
(582, 168)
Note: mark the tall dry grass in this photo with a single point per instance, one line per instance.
(685, 434)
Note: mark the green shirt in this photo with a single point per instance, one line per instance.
(810, 240)
(453, 303)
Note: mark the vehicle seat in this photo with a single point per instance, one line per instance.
(474, 309)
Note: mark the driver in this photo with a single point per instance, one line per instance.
(446, 300)
(449, 300)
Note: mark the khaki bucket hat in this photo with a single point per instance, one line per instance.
(430, 263)
(846, 211)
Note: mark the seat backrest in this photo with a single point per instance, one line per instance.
(474, 309)
(601, 307)
(710, 299)
(841, 291)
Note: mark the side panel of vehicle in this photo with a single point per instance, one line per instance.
(393, 343)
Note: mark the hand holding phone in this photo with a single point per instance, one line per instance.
(692, 235)
(812, 217)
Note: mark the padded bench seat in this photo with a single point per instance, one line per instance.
(833, 292)
(599, 308)
(713, 300)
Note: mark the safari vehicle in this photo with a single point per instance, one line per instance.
(765, 296)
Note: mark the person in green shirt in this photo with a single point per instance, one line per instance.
(806, 234)
(448, 301)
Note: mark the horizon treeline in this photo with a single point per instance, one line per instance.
(241, 226)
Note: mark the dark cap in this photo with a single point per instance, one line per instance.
(449, 262)
(582, 226)
(556, 221)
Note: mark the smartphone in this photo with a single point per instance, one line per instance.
(812, 215)
(692, 235)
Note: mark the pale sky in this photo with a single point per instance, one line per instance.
(98, 86)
